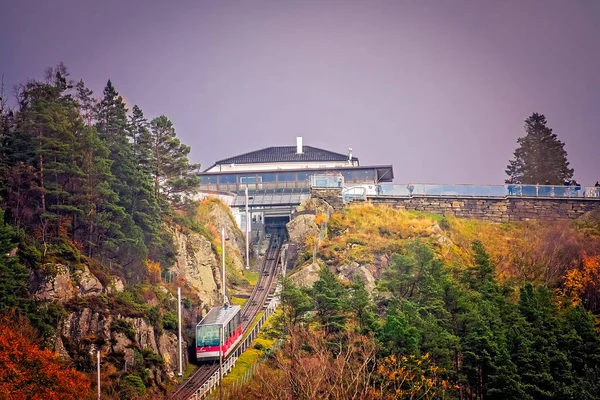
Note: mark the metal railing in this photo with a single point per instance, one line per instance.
(508, 190)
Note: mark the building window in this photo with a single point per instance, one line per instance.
(304, 176)
(249, 179)
(208, 180)
(268, 177)
(286, 177)
(227, 179)
(365, 175)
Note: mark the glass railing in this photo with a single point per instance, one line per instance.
(327, 181)
(512, 190)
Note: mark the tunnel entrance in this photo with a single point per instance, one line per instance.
(276, 225)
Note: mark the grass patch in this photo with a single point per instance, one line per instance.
(361, 232)
(255, 352)
(238, 301)
(251, 277)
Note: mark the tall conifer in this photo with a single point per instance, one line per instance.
(540, 157)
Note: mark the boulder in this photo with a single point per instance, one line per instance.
(87, 283)
(354, 270)
(306, 275)
(314, 205)
(53, 283)
(300, 228)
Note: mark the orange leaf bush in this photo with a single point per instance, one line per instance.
(28, 372)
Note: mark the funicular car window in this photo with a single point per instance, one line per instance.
(207, 335)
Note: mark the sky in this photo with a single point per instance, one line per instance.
(438, 88)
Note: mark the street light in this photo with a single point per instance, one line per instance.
(98, 363)
(247, 230)
(223, 239)
(221, 339)
(179, 324)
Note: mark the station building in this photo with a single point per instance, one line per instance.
(278, 179)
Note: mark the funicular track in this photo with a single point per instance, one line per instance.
(265, 286)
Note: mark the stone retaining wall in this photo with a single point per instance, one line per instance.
(496, 209)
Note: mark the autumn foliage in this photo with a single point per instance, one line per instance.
(29, 372)
(582, 285)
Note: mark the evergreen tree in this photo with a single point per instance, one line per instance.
(397, 335)
(173, 174)
(112, 124)
(140, 136)
(295, 303)
(87, 103)
(330, 301)
(13, 276)
(361, 307)
(540, 156)
(49, 116)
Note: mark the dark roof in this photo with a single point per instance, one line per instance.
(285, 154)
(220, 315)
(384, 172)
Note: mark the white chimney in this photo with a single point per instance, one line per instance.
(298, 144)
(350, 155)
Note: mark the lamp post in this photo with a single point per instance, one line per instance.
(221, 362)
(247, 230)
(179, 324)
(225, 302)
(98, 362)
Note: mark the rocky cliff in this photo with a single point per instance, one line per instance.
(134, 327)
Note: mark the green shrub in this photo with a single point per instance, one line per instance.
(170, 321)
(122, 326)
(155, 318)
(151, 357)
(133, 384)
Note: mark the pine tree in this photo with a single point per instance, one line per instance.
(140, 136)
(112, 124)
(173, 174)
(329, 297)
(87, 103)
(540, 157)
(50, 117)
(362, 307)
(13, 276)
(295, 303)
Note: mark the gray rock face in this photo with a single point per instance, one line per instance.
(168, 349)
(56, 283)
(83, 326)
(144, 333)
(52, 287)
(115, 286)
(236, 245)
(306, 275)
(302, 227)
(354, 270)
(197, 262)
(316, 205)
(87, 283)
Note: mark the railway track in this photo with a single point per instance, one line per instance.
(264, 287)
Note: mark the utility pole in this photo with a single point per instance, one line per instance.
(221, 362)
(98, 362)
(223, 256)
(248, 225)
(179, 323)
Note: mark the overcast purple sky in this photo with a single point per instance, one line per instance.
(439, 89)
